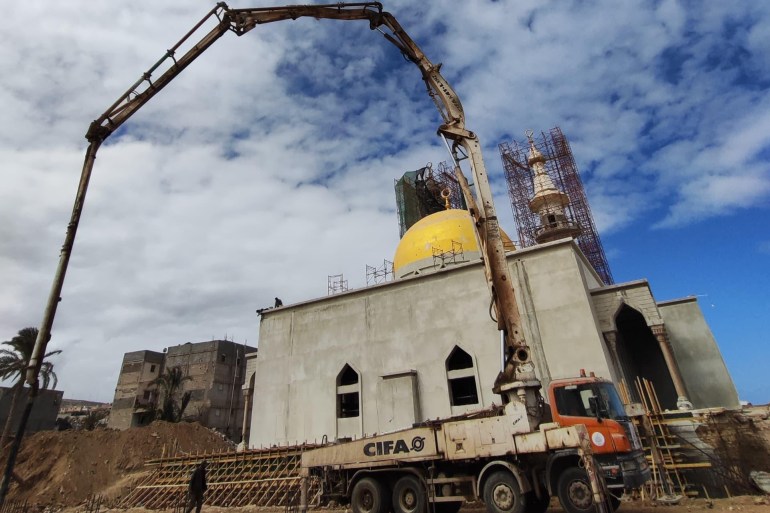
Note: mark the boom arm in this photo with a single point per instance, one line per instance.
(518, 375)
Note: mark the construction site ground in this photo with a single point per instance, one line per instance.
(742, 504)
(60, 470)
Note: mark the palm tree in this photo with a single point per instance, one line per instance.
(171, 383)
(13, 366)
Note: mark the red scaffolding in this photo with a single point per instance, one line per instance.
(562, 169)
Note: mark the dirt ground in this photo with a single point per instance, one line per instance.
(59, 470)
(65, 467)
(742, 504)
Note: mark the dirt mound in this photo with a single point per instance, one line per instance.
(64, 467)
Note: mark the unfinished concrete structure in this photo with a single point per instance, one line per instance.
(216, 370)
(135, 397)
(423, 346)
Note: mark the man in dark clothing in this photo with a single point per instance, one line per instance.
(196, 488)
(278, 303)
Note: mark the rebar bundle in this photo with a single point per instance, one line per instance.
(260, 477)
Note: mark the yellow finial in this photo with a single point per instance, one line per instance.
(445, 193)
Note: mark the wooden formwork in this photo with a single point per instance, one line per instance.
(258, 477)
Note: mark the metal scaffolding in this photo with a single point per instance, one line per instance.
(419, 194)
(562, 169)
(337, 283)
(453, 255)
(446, 178)
(382, 274)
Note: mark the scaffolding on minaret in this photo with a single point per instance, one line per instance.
(563, 172)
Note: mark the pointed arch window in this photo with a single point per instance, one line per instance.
(461, 378)
(348, 393)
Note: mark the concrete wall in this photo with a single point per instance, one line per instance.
(138, 369)
(397, 336)
(551, 282)
(216, 369)
(636, 294)
(43, 414)
(704, 371)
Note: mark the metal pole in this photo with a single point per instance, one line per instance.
(44, 333)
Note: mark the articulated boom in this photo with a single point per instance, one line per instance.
(517, 381)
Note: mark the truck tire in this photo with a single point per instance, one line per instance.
(369, 496)
(503, 495)
(408, 495)
(575, 493)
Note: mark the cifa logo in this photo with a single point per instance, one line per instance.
(394, 447)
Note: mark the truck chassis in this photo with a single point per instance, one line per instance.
(437, 466)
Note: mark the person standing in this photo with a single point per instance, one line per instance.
(196, 488)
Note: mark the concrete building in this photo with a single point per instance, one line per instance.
(134, 400)
(423, 346)
(216, 370)
(44, 411)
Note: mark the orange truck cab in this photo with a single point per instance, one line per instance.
(595, 403)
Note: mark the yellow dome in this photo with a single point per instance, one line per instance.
(415, 252)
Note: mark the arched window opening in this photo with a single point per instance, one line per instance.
(348, 393)
(459, 360)
(347, 376)
(461, 377)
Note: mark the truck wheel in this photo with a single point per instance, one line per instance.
(502, 494)
(575, 493)
(538, 505)
(408, 495)
(369, 497)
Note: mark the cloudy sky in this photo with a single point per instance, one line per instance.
(269, 163)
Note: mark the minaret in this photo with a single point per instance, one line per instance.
(548, 202)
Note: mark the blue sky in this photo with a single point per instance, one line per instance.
(269, 164)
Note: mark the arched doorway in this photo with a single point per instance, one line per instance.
(640, 356)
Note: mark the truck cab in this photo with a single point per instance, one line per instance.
(595, 403)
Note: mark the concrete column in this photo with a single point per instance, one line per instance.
(611, 338)
(245, 430)
(659, 330)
